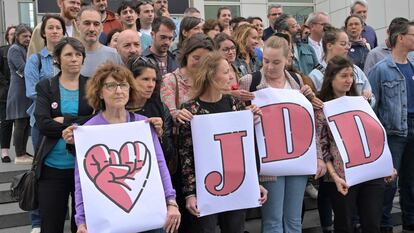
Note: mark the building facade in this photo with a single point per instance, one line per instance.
(380, 12)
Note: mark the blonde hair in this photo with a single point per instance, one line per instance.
(207, 70)
(276, 42)
(240, 36)
(95, 84)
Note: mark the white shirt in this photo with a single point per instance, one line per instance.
(317, 47)
(69, 30)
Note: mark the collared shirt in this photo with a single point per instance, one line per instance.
(317, 46)
(369, 34)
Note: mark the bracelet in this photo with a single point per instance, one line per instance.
(172, 203)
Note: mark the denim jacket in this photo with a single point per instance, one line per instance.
(32, 75)
(388, 85)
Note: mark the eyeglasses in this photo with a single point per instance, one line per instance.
(111, 86)
(229, 49)
(276, 14)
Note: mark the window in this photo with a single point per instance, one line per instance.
(210, 11)
(26, 13)
(299, 12)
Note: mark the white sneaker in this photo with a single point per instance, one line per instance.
(23, 160)
(35, 230)
(312, 191)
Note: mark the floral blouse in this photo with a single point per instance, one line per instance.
(326, 146)
(186, 143)
(169, 91)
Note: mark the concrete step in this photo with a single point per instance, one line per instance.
(12, 216)
(5, 193)
(10, 170)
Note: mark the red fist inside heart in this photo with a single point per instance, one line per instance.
(120, 176)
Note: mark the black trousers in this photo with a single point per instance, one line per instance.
(6, 128)
(366, 198)
(229, 222)
(21, 135)
(55, 185)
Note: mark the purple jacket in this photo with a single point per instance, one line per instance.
(165, 175)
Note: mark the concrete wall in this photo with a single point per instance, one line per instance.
(380, 12)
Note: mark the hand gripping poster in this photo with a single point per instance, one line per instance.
(286, 135)
(121, 184)
(360, 137)
(225, 164)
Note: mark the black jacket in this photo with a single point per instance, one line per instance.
(171, 59)
(4, 73)
(48, 94)
(155, 108)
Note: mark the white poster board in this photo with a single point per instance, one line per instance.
(360, 137)
(120, 179)
(286, 135)
(225, 163)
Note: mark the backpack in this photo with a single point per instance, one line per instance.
(257, 78)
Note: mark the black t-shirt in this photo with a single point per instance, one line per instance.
(223, 105)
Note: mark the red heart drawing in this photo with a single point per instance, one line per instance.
(120, 176)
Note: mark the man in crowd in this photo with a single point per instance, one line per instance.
(161, 9)
(90, 26)
(393, 86)
(128, 45)
(109, 20)
(69, 10)
(273, 11)
(145, 11)
(384, 49)
(304, 56)
(193, 12)
(316, 21)
(224, 17)
(360, 7)
(162, 37)
(128, 14)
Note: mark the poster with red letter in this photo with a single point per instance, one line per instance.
(360, 137)
(120, 179)
(225, 163)
(286, 135)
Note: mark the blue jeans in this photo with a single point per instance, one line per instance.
(34, 214)
(402, 150)
(282, 210)
(35, 138)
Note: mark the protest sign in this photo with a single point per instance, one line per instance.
(120, 179)
(225, 164)
(360, 137)
(286, 135)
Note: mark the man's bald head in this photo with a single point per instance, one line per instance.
(128, 45)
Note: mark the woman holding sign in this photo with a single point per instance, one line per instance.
(109, 91)
(282, 212)
(211, 80)
(339, 81)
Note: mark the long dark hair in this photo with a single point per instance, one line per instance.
(335, 65)
(139, 64)
(187, 24)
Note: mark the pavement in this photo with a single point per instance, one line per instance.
(310, 221)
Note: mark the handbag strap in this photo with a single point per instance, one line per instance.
(131, 117)
(37, 156)
(177, 92)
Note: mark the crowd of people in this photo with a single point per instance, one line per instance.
(89, 65)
